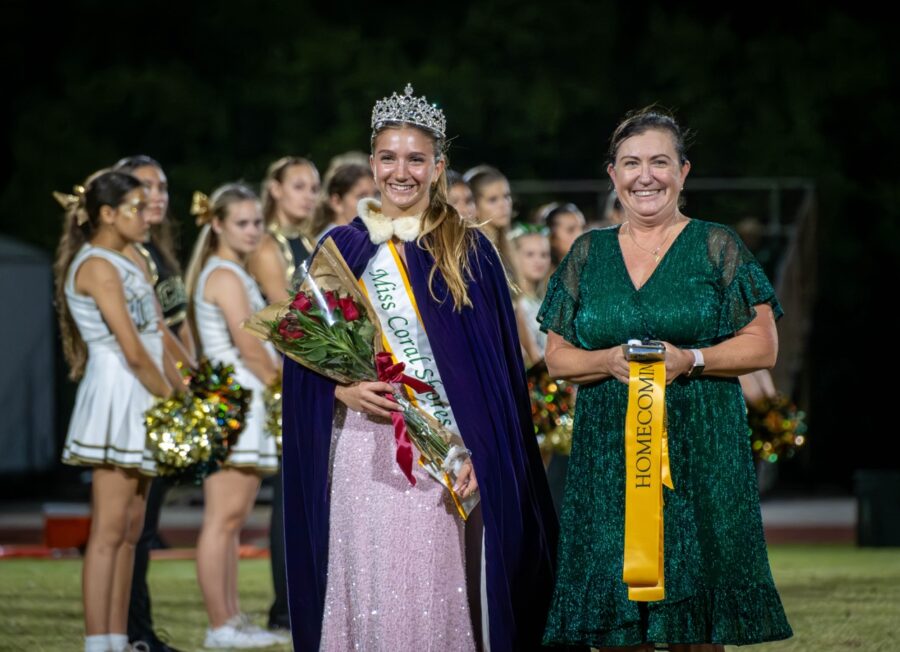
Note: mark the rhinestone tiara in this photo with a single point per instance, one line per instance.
(409, 109)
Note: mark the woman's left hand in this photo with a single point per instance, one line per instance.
(678, 362)
(466, 484)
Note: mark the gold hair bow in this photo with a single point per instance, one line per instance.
(73, 203)
(200, 208)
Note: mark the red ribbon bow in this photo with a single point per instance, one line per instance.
(391, 372)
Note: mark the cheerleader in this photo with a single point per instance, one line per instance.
(460, 196)
(564, 222)
(221, 295)
(289, 193)
(493, 208)
(110, 328)
(532, 259)
(158, 253)
(347, 186)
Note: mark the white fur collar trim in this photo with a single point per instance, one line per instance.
(382, 228)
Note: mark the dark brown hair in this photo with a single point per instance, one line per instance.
(103, 188)
(340, 183)
(643, 120)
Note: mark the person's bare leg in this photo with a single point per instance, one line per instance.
(124, 568)
(698, 647)
(251, 486)
(231, 571)
(226, 495)
(111, 492)
(646, 647)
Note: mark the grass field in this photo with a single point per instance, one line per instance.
(838, 598)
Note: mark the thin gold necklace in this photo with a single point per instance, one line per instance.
(655, 251)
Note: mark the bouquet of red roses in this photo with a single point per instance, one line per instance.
(330, 327)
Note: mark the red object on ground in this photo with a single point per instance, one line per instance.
(66, 531)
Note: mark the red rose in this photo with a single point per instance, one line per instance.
(331, 299)
(349, 309)
(289, 328)
(301, 302)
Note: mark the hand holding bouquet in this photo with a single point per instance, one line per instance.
(330, 327)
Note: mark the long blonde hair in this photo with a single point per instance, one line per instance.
(445, 235)
(82, 219)
(206, 209)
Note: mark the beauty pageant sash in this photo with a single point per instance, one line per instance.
(388, 288)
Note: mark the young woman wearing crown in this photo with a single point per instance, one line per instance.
(373, 562)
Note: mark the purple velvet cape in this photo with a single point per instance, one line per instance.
(478, 355)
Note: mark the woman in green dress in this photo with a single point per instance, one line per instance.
(693, 285)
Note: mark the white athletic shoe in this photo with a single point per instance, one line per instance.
(229, 636)
(242, 621)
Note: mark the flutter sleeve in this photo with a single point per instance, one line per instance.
(744, 284)
(560, 306)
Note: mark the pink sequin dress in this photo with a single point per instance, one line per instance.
(396, 575)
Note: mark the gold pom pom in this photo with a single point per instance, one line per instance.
(191, 435)
(182, 435)
(272, 397)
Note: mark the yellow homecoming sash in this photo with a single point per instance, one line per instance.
(646, 471)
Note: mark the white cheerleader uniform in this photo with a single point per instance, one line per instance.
(107, 424)
(255, 447)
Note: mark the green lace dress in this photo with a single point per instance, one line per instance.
(719, 588)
